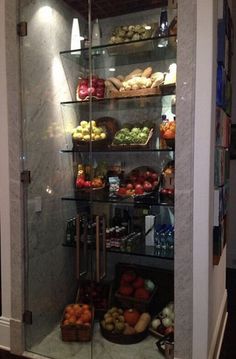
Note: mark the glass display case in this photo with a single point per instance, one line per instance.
(118, 200)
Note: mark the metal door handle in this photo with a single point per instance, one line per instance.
(100, 276)
(78, 236)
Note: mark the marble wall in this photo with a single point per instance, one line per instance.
(184, 177)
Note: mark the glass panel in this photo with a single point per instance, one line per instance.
(51, 268)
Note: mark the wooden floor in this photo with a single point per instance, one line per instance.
(229, 344)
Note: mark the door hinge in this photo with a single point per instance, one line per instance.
(22, 29)
(27, 317)
(25, 177)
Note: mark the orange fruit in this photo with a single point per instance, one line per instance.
(78, 322)
(86, 317)
(72, 319)
(67, 315)
(85, 307)
(66, 322)
(69, 308)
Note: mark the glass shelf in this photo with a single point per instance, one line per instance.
(143, 251)
(102, 196)
(109, 150)
(139, 51)
(112, 100)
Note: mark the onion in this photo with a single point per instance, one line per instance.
(155, 323)
(166, 312)
(167, 322)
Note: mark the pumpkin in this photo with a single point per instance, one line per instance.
(125, 290)
(131, 316)
(142, 294)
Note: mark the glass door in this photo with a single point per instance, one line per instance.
(99, 84)
(54, 263)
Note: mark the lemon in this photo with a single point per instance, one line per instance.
(79, 129)
(77, 136)
(93, 123)
(103, 135)
(97, 137)
(84, 124)
(85, 131)
(93, 136)
(86, 137)
(97, 130)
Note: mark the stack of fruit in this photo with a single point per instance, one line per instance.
(168, 183)
(84, 89)
(126, 322)
(135, 136)
(163, 324)
(77, 314)
(132, 285)
(140, 182)
(85, 129)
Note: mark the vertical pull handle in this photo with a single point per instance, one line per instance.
(84, 239)
(97, 248)
(78, 247)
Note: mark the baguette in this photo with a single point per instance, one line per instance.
(134, 73)
(116, 82)
(147, 72)
(110, 87)
(121, 78)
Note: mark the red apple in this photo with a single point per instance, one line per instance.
(94, 82)
(147, 174)
(122, 191)
(154, 176)
(83, 82)
(139, 190)
(99, 92)
(147, 186)
(100, 83)
(129, 186)
(87, 184)
(141, 179)
(80, 182)
(83, 93)
(91, 91)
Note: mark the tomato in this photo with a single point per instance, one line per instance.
(138, 283)
(126, 290)
(147, 186)
(129, 186)
(131, 316)
(128, 276)
(142, 293)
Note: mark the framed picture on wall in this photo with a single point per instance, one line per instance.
(233, 142)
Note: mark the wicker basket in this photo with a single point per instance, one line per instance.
(77, 332)
(131, 302)
(134, 146)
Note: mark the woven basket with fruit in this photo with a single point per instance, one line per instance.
(125, 326)
(135, 291)
(141, 181)
(77, 323)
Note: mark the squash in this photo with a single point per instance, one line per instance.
(142, 323)
(131, 316)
